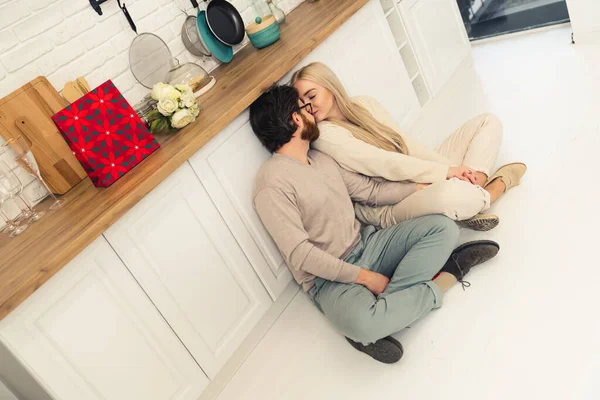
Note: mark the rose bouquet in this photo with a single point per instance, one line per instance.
(176, 108)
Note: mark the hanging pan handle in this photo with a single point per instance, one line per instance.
(129, 19)
(194, 3)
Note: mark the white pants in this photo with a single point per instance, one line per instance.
(475, 144)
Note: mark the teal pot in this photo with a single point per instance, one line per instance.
(263, 32)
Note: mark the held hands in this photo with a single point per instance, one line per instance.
(463, 173)
(373, 281)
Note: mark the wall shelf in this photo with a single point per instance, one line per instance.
(397, 27)
(400, 34)
(387, 5)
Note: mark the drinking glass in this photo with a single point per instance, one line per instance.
(13, 230)
(12, 186)
(24, 158)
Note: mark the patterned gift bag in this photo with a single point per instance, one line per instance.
(105, 134)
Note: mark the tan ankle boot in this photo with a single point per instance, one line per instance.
(510, 174)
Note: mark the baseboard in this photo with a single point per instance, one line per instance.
(517, 34)
(249, 344)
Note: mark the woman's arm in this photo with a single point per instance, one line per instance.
(357, 156)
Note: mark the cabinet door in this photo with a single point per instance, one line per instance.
(227, 166)
(6, 394)
(369, 63)
(90, 332)
(183, 255)
(438, 36)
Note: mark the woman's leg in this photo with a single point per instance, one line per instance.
(409, 254)
(456, 199)
(475, 144)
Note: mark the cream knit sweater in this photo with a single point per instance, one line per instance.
(422, 165)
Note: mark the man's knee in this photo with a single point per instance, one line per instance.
(440, 225)
(360, 328)
(448, 228)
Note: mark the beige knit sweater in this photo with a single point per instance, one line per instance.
(422, 165)
(307, 210)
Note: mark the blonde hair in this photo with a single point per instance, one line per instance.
(360, 122)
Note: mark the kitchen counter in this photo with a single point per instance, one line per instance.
(29, 260)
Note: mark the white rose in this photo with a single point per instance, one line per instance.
(173, 93)
(181, 118)
(188, 100)
(167, 106)
(159, 89)
(184, 89)
(162, 90)
(195, 109)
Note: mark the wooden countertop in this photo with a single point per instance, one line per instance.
(30, 259)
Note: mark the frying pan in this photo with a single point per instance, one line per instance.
(224, 21)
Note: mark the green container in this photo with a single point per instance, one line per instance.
(265, 37)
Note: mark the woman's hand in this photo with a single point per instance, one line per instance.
(463, 173)
(373, 281)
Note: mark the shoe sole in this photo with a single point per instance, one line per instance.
(390, 355)
(475, 243)
(480, 224)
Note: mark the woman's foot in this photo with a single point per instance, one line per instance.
(468, 255)
(387, 350)
(509, 174)
(480, 222)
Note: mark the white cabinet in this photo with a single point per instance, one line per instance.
(6, 394)
(227, 166)
(90, 333)
(585, 19)
(184, 256)
(438, 37)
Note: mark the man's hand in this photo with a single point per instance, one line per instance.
(463, 173)
(373, 281)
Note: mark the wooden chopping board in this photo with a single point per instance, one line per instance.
(27, 112)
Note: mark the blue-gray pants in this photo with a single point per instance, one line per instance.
(410, 254)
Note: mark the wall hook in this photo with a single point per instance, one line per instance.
(129, 19)
(96, 6)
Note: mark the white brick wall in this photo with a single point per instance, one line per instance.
(64, 39)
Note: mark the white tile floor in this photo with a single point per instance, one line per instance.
(528, 326)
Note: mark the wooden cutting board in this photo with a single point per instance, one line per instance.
(27, 112)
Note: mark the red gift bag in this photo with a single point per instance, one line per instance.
(105, 134)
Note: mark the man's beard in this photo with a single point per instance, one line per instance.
(310, 131)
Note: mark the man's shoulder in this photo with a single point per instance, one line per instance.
(273, 173)
(319, 156)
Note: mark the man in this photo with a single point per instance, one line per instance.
(368, 283)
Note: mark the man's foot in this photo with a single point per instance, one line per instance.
(468, 255)
(480, 222)
(387, 350)
(510, 174)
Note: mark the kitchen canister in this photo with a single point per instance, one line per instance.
(264, 31)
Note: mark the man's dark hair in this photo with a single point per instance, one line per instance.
(271, 116)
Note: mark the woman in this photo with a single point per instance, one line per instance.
(362, 137)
